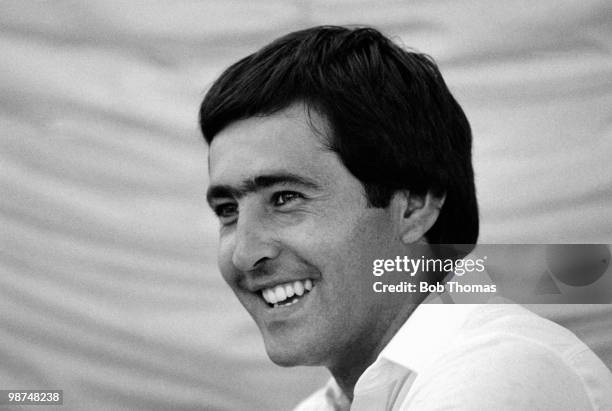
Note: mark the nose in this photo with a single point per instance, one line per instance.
(253, 241)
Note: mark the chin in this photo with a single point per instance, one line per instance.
(284, 361)
(290, 355)
(284, 357)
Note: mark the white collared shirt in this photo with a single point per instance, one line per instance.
(476, 357)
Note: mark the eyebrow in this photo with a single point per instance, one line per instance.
(256, 184)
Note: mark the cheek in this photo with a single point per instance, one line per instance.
(354, 250)
(330, 248)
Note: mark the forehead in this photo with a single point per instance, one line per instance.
(291, 140)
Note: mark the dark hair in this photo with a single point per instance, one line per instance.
(393, 121)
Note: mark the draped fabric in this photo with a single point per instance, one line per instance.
(109, 288)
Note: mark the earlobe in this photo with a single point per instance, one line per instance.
(416, 213)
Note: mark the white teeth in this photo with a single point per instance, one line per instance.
(295, 300)
(298, 287)
(289, 290)
(308, 285)
(278, 294)
(279, 290)
(269, 295)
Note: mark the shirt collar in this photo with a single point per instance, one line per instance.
(417, 343)
(430, 328)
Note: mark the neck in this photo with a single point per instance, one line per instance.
(354, 362)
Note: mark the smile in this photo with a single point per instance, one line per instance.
(286, 294)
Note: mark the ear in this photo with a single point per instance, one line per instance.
(415, 213)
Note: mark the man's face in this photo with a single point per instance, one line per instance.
(292, 219)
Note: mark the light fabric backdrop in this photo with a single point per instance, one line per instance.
(108, 283)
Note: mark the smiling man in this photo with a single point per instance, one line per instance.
(331, 148)
(298, 238)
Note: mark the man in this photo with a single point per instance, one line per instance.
(331, 148)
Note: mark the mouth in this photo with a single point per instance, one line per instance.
(286, 294)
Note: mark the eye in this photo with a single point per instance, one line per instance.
(226, 212)
(283, 197)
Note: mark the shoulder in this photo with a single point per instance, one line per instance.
(506, 357)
